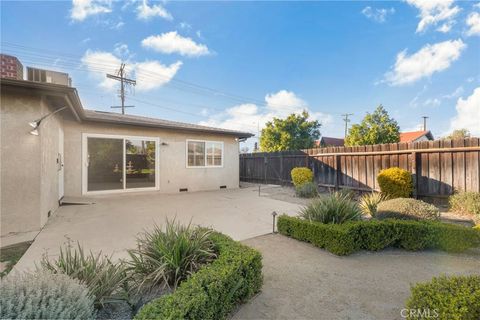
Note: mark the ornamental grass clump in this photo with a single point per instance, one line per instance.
(306, 190)
(301, 175)
(335, 208)
(368, 203)
(407, 208)
(395, 183)
(169, 257)
(105, 280)
(44, 295)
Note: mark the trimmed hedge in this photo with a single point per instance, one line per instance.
(213, 291)
(373, 235)
(455, 298)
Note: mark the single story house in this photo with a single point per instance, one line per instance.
(416, 136)
(51, 147)
(329, 142)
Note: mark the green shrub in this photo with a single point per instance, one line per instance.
(337, 207)
(170, 256)
(213, 291)
(453, 298)
(301, 175)
(368, 203)
(44, 295)
(466, 203)
(306, 190)
(103, 278)
(395, 183)
(344, 239)
(407, 208)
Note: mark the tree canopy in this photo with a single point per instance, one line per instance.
(459, 134)
(292, 133)
(377, 127)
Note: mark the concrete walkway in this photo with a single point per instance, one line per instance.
(305, 282)
(112, 222)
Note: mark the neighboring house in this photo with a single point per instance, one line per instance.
(416, 136)
(329, 142)
(78, 152)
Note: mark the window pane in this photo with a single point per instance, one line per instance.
(140, 163)
(196, 153)
(105, 164)
(210, 149)
(218, 154)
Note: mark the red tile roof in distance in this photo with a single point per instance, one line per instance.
(411, 136)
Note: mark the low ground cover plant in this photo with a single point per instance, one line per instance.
(169, 257)
(301, 175)
(337, 207)
(395, 182)
(43, 295)
(306, 190)
(466, 203)
(407, 208)
(456, 298)
(373, 235)
(369, 202)
(213, 291)
(103, 278)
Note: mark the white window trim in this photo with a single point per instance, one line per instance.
(205, 156)
(85, 137)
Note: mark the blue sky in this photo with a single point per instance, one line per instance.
(237, 64)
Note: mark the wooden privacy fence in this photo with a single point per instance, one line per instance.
(438, 167)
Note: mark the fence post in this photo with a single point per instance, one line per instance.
(265, 167)
(281, 169)
(336, 166)
(414, 174)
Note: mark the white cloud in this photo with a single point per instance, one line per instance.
(433, 12)
(248, 116)
(455, 94)
(468, 114)
(185, 25)
(81, 9)
(152, 74)
(425, 62)
(432, 102)
(172, 42)
(149, 74)
(377, 15)
(473, 23)
(146, 12)
(121, 50)
(446, 27)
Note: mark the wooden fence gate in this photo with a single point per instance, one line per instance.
(438, 167)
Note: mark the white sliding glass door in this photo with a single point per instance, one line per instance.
(116, 163)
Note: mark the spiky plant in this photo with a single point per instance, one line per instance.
(336, 208)
(368, 203)
(104, 278)
(170, 256)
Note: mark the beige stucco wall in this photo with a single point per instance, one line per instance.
(173, 173)
(28, 178)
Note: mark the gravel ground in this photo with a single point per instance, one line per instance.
(305, 282)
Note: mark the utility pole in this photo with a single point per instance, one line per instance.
(424, 123)
(121, 76)
(345, 118)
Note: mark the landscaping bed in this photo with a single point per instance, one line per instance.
(352, 236)
(213, 291)
(10, 255)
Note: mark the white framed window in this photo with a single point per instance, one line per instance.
(204, 153)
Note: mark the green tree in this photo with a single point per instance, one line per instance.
(293, 133)
(459, 134)
(375, 128)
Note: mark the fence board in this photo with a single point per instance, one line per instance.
(440, 167)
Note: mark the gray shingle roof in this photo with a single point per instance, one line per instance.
(110, 117)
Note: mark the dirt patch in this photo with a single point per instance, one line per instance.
(305, 282)
(10, 255)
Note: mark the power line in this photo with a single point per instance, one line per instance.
(123, 82)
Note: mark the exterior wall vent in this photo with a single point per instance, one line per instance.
(183, 189)
(223, 187)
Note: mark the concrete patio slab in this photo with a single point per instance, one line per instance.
(112, 222)
(305, 282)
